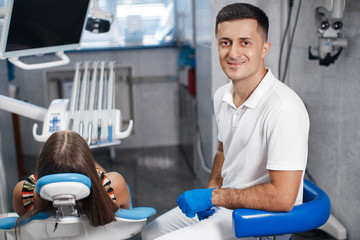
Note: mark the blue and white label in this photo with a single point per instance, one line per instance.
(54, 124)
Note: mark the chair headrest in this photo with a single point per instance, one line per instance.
(54, 185)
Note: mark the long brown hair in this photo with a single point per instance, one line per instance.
(67, 152)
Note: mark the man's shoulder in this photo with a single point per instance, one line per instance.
(219, 93)
(282, 93)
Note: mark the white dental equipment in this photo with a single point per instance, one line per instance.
(92, 98)
(81, 115)
(22, 108)
(100, 98)
(111, 88)
(329, 14)
(83, 97)
(74, 94)
(64, 59)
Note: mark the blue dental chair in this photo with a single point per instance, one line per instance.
(63, 190)
(313, 213)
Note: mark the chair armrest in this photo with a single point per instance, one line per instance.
(136, 213)
(8, 223)
(304, 217)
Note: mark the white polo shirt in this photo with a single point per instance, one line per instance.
(268, 132)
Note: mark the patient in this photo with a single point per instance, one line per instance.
(67, 152)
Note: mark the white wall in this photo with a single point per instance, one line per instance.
(331, 95)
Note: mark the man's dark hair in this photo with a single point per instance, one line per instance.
(239, 11)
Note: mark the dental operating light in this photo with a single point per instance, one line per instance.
(98, 20)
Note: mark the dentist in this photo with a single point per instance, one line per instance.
(263, 131)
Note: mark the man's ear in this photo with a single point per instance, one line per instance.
(266, 49)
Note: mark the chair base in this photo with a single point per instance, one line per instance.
(77, 228)
(334, 228)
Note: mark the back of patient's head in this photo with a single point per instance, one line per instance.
(68, 152)
(240, 11)
(65, 152)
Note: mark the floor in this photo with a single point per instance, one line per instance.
(157, 176)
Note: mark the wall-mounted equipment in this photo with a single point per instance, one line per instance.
(329, 16)
(36, 27)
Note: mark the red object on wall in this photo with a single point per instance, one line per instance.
(192, 82)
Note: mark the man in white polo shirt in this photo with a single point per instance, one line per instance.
(263, 131)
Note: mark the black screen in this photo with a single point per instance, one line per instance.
(45, 23)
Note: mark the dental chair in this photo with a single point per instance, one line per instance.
(313, 213)
(63, 190)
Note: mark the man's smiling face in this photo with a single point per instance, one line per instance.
(242, 47)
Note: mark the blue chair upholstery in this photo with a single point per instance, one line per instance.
(62, 177)
(313, 213)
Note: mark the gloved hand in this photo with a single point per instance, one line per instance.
(205, 214)
(193, 201)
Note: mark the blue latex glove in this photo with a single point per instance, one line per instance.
(205, 214)
(193, 201)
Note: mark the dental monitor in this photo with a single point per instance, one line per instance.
(36, 27)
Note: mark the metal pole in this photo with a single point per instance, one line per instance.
(3, 187)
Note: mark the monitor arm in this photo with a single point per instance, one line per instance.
(64, 59)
